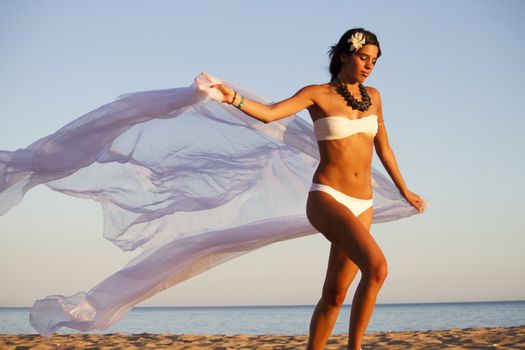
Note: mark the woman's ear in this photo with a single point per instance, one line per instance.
(343, 57)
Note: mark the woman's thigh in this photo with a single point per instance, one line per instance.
(341, 270)
(348, 233)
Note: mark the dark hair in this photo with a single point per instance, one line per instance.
(343, 46)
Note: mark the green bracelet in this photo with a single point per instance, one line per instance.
(239, 106)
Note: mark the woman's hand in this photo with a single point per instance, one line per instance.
(417, 202)
(227, 93)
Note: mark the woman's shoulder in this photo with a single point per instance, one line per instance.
(314, 87)
(374, 94)
(317, 89)
(372, 91)
(313, 91)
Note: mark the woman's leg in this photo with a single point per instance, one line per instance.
(352, 237)
(339, 275)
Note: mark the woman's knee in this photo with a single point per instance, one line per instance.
(376, 271)
(334, 297)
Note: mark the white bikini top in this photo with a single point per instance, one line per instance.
(331, 128)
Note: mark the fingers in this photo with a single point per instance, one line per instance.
(419, 208)
(421, 205)
(418, 203)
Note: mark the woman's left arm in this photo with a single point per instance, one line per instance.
(387, 157)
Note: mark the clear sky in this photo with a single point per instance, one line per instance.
(451, 78)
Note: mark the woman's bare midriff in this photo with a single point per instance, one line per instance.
(345, 165)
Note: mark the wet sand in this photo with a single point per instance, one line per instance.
(469, 338)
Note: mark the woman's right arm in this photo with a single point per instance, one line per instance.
(302, 99)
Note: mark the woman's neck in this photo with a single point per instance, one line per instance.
(351, 84)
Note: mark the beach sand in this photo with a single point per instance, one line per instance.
(469, 338)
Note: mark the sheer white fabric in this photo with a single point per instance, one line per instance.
(189, 180)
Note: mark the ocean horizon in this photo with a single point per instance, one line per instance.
(291, 319)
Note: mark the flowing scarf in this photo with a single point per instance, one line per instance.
(190, 181)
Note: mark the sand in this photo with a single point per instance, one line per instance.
(469, 338)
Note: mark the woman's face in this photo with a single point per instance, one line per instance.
(358, 66)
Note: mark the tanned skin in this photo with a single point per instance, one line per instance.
(345, 165)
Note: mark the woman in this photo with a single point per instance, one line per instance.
(172, 183)
(348, 122)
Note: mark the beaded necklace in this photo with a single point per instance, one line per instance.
(362, 105)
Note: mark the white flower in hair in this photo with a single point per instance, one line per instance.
(357, 40)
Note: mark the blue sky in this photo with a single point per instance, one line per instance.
(451, 78)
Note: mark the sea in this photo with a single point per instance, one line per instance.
(292, 320)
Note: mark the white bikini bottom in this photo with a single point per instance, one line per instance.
(355, 205)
